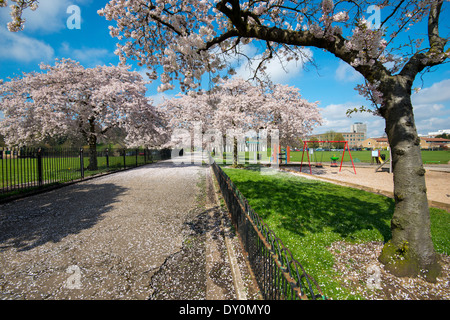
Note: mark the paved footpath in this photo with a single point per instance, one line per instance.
(136, 234)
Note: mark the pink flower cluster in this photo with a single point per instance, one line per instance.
(70, 100)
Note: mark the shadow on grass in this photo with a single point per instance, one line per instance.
(301, 206)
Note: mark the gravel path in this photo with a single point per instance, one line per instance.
(112, 237)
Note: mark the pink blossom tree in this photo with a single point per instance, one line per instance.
(17, 22)
(68, 99)
(191, 38)
(239, 106)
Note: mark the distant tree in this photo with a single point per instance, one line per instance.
(297, 144)
(238, 104)
(443, 136)
(338, 137)
(68, 100)
(313, 144)
(191, 38)
(328, 136)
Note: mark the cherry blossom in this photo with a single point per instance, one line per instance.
(192, 38)
(68, 99)
(238, 105)
(189, 39)
(17, 22)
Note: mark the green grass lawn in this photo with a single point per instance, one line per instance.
(441, 157)
(309, 215)
(24, 171)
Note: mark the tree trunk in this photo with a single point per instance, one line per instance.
(93, 153)
(235, 152)
(92, 147)
(410, 252)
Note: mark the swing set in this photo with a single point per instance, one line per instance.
(333, 158)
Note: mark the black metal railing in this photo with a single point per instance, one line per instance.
(278, 274)
(30, 168)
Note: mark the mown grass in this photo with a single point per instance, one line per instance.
(309, 215)
(428, 156)
(24, 171)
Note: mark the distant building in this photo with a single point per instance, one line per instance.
(359, 127)
(434, 143)
(439, 132)
(425, 143)
(376, 143)
(355, 137)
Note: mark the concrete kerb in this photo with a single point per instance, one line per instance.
(238, 282)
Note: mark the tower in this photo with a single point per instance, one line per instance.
(359, 127)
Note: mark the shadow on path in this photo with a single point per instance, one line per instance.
(49, 217)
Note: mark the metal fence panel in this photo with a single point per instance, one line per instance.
(29, 168)
(277, 273)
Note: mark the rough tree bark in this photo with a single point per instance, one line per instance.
(92, 140)
(410, 252)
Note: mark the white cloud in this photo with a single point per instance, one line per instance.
(143, 73)
(92, 55)
(49, 17)
(335, 119)
(346, 73)
(21, 48)
(279, 70)
(89, 57)
(432, 107)
(432, 124)
(431, 113)
(431, 117)
(159, 97)
(438, 92)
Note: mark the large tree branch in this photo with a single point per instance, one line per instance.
(433, 26)
(297, 38)
(435, 55)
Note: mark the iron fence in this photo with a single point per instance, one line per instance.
(278, 274)
(30, 168)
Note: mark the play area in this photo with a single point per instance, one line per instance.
(310, 154)
(374, 174)
(378, 177)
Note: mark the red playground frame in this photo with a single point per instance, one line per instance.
(305, 148)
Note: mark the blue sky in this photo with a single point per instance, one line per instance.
(46, 37)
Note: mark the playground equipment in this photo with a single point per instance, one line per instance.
(305, 147)
(381, 159)
(281, 154)
(318, 163)
(334, 161)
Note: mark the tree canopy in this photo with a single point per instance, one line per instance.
(189, 39)
(67, 99)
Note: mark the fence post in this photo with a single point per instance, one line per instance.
(107, 159)
(39, 166)
(137, 152)
(124, 158)
(81, 163)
